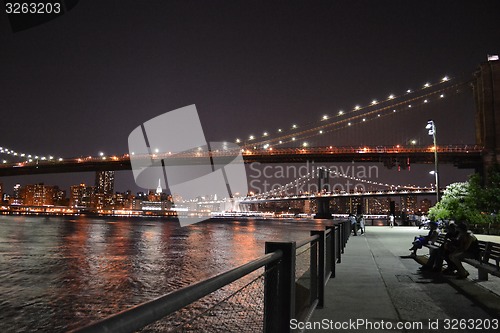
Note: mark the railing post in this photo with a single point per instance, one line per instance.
(333, 249)
(342, 236)
(347, 232)
(318, 284)
(279, 289)
(338, 241)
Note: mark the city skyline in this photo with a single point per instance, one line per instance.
(258, 67)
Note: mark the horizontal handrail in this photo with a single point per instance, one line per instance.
(306, 241)
(146, 313)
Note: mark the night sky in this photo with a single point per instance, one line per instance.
(81, 83)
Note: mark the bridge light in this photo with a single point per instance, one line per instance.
(408, 91)
(364, 119)
(51, 157)
(320, 132)
(293, 139)
(60, 159)
(238, 140)
(348, 124)
(413, 142)
(280, 130)
(444, 79)
(294, 126)
(378, 115)
(4, 161)
(265, 134)
(251, 137)
(305, 144)
(374, 102)
(441, 96)
(357, 107)
(394, 110)
(101, 153)
(432, 172)
(425, 101)
(427, 85)
(409, 105)
(391, 96)
(281, 142)
(325, 117)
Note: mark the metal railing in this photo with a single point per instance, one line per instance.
(285, 296)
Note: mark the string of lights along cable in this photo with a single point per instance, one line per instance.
(295, 135)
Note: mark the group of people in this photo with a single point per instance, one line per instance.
(357, 222)
(459, 243)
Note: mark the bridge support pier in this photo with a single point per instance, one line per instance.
(323, 204)
(323, 209)
(487, 96)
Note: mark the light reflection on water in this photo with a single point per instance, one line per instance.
(59, 273)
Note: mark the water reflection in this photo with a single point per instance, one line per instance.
(60, 273)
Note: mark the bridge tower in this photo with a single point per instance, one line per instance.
(323, 204)
(487, 98)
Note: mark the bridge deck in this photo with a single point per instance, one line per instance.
(463, 156)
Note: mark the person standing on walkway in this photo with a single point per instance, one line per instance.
(354, 226)
(361, 220)
(391, 220)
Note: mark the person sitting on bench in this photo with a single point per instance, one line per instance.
(422, 240)
(467, 247)
(436, 257)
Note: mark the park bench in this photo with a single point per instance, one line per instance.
(437, 243)
(489, 260)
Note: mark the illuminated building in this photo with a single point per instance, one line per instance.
(104, 188)
(425, 204)
(409, 204)
(17, 191)
(37, 195)
(81, 196)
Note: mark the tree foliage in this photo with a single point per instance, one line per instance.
(476, 201)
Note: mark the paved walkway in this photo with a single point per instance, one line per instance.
(379, 283)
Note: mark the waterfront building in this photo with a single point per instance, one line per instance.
(37, 195)
(425, 204)
(409, 204)
(82, 196)
(104, 189)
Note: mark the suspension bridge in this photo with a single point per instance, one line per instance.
(318, 140)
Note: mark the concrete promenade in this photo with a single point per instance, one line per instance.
(378, 282)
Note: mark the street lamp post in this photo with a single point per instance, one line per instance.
(431, 127)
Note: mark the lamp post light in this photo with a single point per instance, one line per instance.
(431, 127)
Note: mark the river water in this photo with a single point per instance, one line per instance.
(60, 273)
